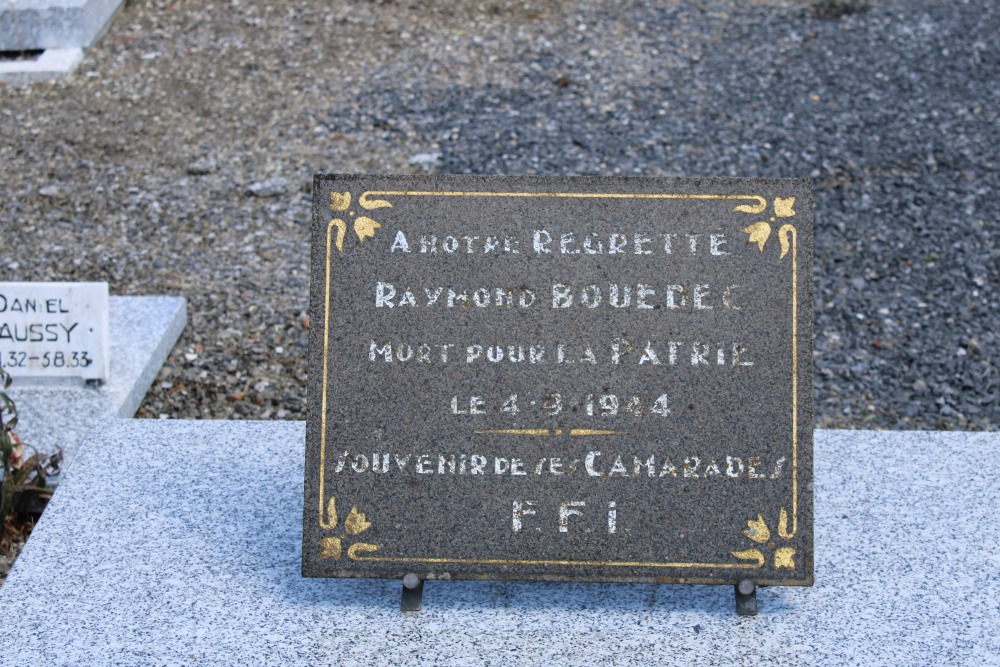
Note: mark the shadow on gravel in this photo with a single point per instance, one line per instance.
(901, 147)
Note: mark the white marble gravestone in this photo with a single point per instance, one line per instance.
(54, 331)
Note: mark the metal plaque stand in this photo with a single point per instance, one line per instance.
(412, 597)
(746, 598)
(413, 593)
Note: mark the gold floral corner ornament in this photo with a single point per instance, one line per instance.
(757, 530)
(759, 232)
(364, 226)
(355, 524)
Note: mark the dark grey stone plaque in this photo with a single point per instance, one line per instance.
(601, 379)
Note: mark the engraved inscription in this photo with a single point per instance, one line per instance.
(607, 376)
(54, 330)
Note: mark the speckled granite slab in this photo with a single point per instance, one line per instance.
(561, 379)
(179, 543)
(143, 330)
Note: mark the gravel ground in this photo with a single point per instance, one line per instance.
(178, 160)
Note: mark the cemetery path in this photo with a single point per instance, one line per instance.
(179, 159)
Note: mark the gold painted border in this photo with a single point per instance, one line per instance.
(592, 563)
(761, 203)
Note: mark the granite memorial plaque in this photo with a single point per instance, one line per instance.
(587, 379)
(54, 331)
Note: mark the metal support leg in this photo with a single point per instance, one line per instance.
(746, 598)
(413, 593)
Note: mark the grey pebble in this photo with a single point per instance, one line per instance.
(425, 160)
(201, 167)
(273, 187)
